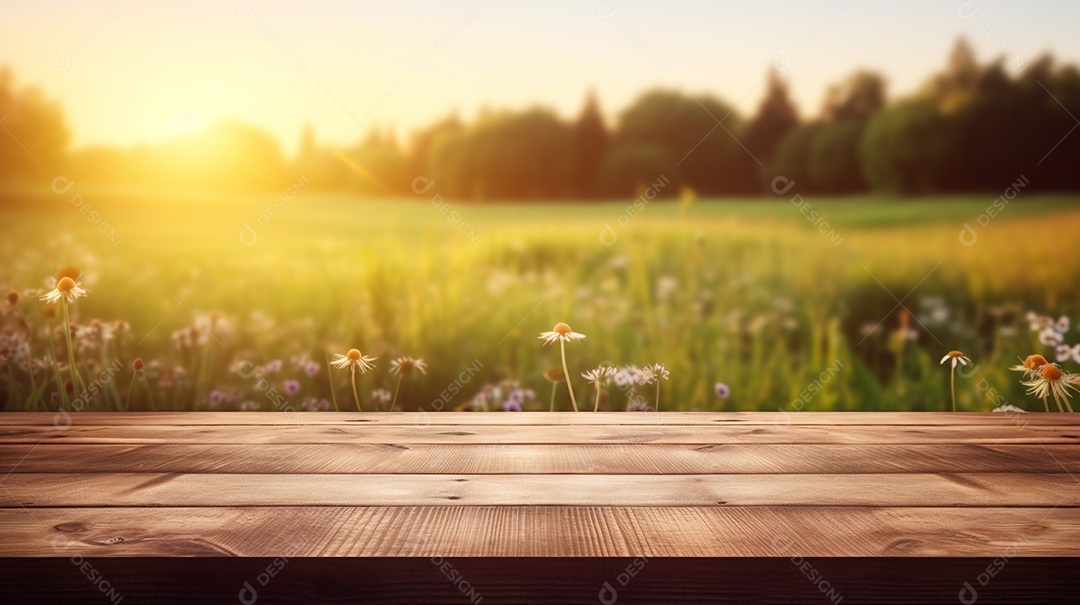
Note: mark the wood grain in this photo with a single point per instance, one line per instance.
(538, 434)
(541, 531)
(165, 489)
(608, 458)
(726, 507)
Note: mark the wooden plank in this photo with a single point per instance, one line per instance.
(608, 458)
(537, 418)
(170, 489)
(518, 580)
(853, 434)
(541, 531)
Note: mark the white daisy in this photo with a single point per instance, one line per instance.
(405, 365)
(354, 360)
(957, 358)
(599, 377)
(66, 289)
(560, 333)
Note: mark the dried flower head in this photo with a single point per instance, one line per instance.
(1031, 365)
(405, 365)
(1051, 381)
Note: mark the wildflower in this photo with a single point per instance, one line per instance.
(625, 376)
(291, 386)
(353, 360)
(12, 297)
(67, 290)
(311, 404)
(403, 366)
(637, 404)
(562, 334)
(274, 366)
(722, 390)
(1052, 381)
(957, 359)
(1031, 365)
(653, 373)
(554, 375)
(600, 377)
(380, 397)
(512, 405)
(249, 406)
(138, 364)
(311, 368)
(1051, 337)
(1064, 352)
(1008, 408)
(216, 397)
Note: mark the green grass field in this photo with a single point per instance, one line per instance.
(749, 293)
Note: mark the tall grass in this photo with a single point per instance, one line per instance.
(747, 293)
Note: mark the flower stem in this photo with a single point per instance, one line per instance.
(146, 387)
(355, 396)
(330, 379)
(596, 408)
(657, 406)
(76, 379)
(952, 384)
(553, 385)
(566, 372)
(127, 401)
(396, 390)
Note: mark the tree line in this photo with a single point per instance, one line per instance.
(970, 127)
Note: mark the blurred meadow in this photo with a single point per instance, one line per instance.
(810, 231)
(733, 291)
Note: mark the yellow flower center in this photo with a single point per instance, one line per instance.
(65, 285)
(1050, 372)
(955, 354)
(353, 355)
(1034, 362)
(561, 329)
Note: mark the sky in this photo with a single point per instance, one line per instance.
(129, 72)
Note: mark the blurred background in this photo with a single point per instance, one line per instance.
(792, 205)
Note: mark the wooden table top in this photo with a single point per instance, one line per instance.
(539, 485)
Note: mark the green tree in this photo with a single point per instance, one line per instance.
(834, 157)
(700, 132)
(791, 159)
(590, 145)
(33, 134)
(776, 116)
(628, 169)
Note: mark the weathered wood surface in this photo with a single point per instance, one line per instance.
(746, 491)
